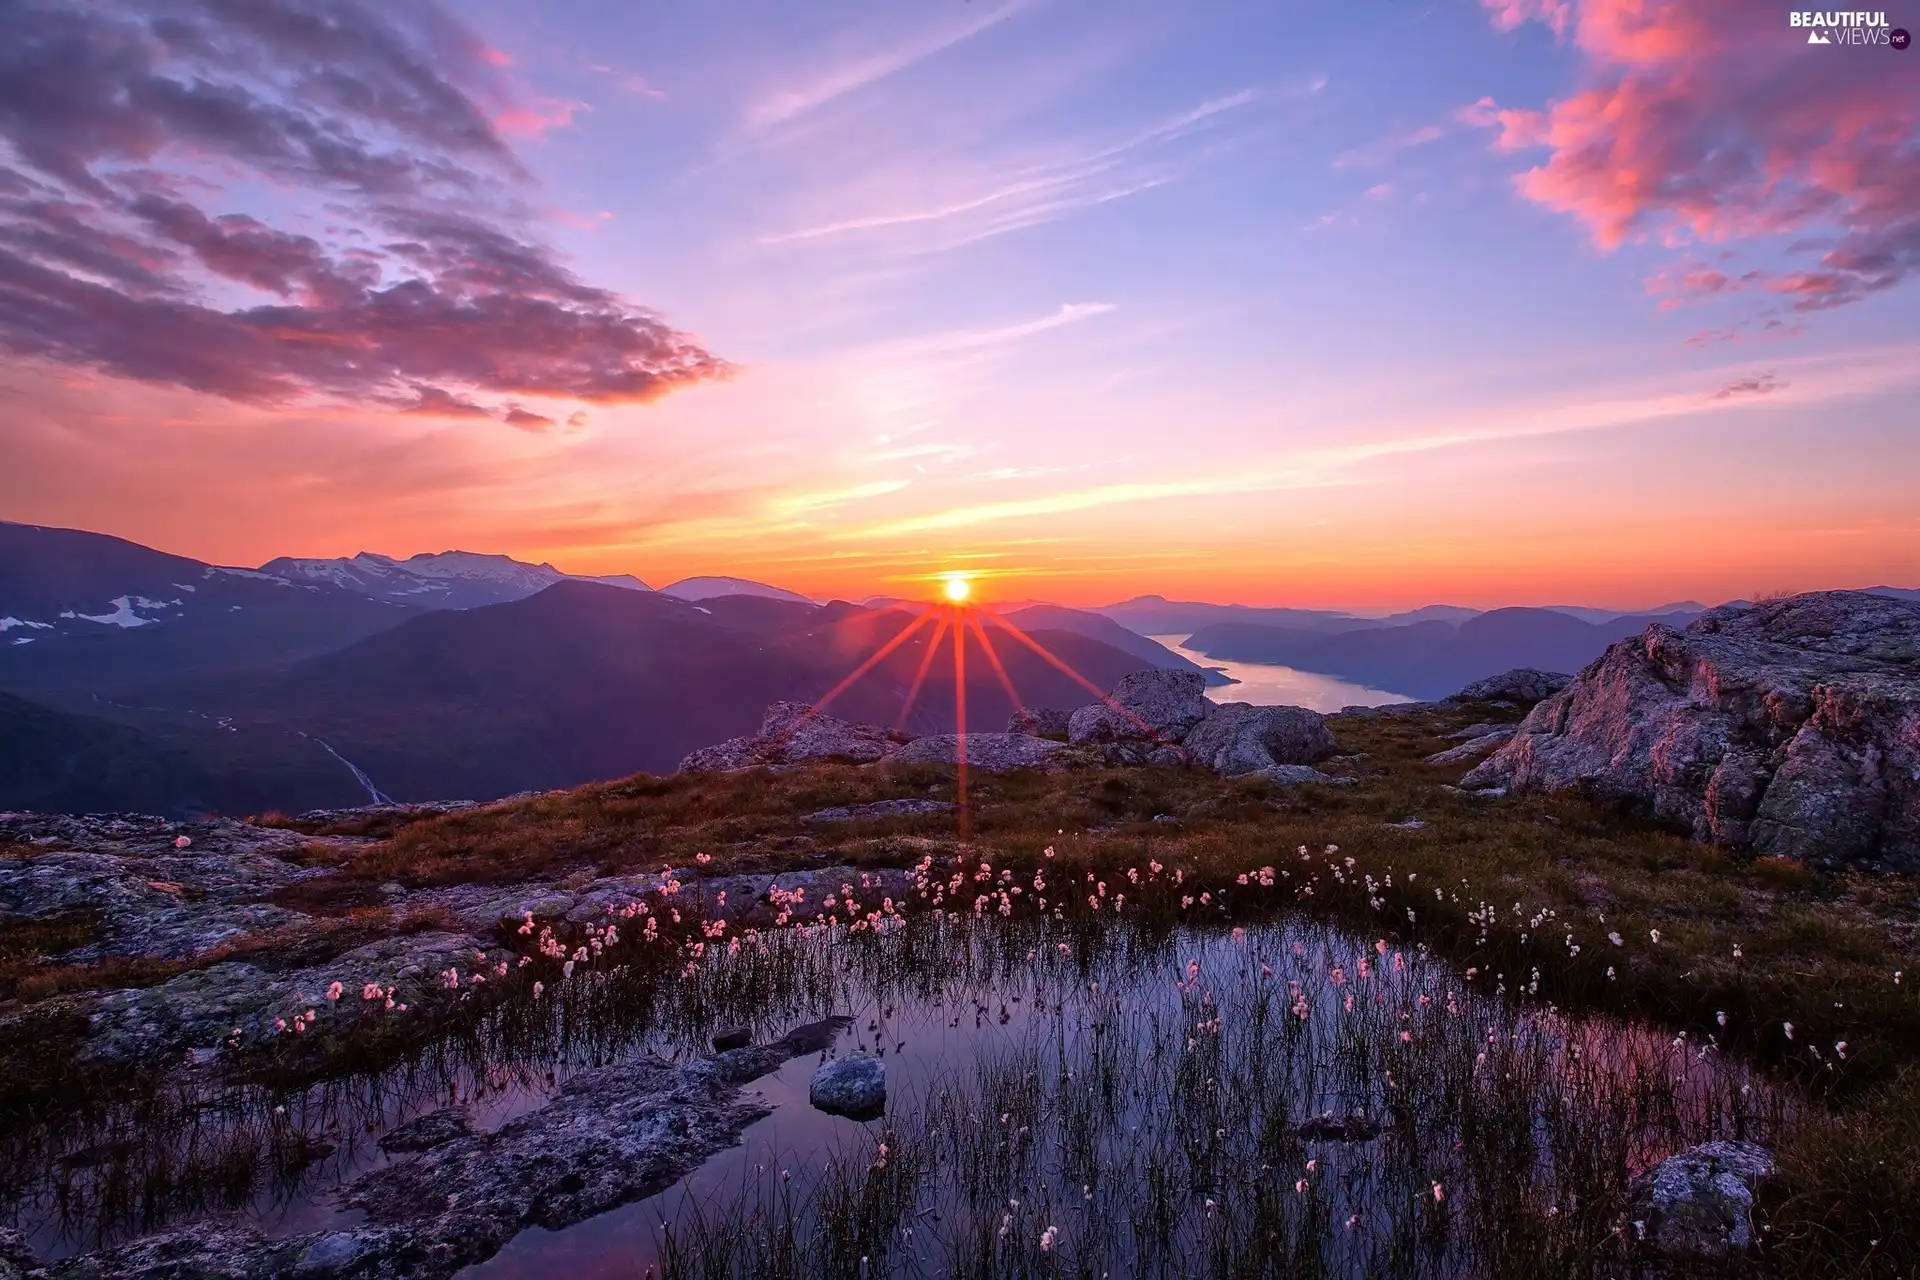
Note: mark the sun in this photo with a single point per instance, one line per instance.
(958, 588)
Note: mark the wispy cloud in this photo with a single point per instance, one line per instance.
(1381, 150)
(1004, 198)
(999, 335)
(835, 82)
(1324, 468)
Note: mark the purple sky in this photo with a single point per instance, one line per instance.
(1358, 304)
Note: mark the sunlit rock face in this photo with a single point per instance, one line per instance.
(1788, 728)
(1155, 705)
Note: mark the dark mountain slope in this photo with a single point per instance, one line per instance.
(83, 614)
(80, 764)
(584, 682)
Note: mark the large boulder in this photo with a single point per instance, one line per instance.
(1789, 728)
(990, 752)
(794, 731)
(1156, 705)
(1240, 738)
(1522, 684)
(1700, 1203)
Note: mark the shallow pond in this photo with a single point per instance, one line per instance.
(1064, 1097)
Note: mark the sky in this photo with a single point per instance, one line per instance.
(1366, 305)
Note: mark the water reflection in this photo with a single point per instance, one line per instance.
(1268, 684)
(1148, 1093)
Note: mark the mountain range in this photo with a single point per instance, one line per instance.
(447, 580)
(1431, 659)
(145, 680)
(137, 679)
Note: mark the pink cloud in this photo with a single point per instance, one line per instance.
(1508, 14)
(1707, 121)
(537, 118)
(422, 286)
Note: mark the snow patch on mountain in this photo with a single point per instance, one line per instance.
(712, 587)
(438, 580)
(123, 614)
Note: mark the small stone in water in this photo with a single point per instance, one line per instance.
(731, 1038)
(854, 1086)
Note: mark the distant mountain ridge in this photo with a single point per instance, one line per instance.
(1053, 617)
(1430, 659)
(84, 611)
(437, 580)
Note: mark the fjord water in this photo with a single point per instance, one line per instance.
(1268, 684)
(1114, 1096)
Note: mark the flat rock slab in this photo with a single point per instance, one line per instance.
(609, 1137)
(202, 1008)
(423, 1133)
(1293, 775)
(1473, 748)
(879, 809)
(988, 752)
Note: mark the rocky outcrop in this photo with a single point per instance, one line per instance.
(1151, 706)
(1048, 722)
(1237, 738)
(1699, 1204)
(1789, 728)
(791, 732)
(106, 866)
(1157, 717)
(1520, 685)
(163, 890)
(989, 752)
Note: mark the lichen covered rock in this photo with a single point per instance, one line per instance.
(853, 1086)
(1788, 728)
(1237, 738)
(1700, 1203)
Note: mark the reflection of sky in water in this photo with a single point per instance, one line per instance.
(1267, 684)
(960, 1012)
(975, 1031)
